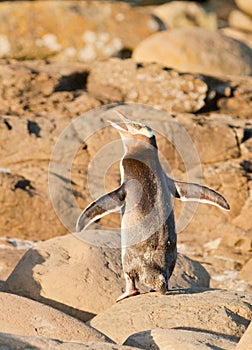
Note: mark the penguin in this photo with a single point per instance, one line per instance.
(144, 199)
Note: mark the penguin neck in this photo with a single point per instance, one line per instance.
(138, 157)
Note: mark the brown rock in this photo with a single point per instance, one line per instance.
(184, 14)
(240, 20)
(246, 340)
(211, 311)
(245, 273)
(23, 206)
(179, 339)
(27, 317)
(115, 81)
(245, 6)
(17, 342)
(81, 31)
(92, 273)
(196, 50)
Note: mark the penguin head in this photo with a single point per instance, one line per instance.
(131, 131)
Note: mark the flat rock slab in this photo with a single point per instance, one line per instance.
(212, 311)
(24, 316)
(196, 50)
(19, 342)
(116, 80)
(82, 279)
(179, 339)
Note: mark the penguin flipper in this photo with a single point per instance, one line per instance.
(108, 203)
(186, 191)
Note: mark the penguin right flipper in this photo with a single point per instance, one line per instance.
(186, 191)
(109, 203)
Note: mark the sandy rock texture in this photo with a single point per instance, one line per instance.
(67, 30)
(24, 316)
(166, 89)
(196, 50)
(19, 342)
(246, 340)
(216, 312)
(81, 279)
(179, 339)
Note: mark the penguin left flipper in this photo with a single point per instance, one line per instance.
(186, 191)
(108, 203)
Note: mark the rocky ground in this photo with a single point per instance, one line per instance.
(58, 89)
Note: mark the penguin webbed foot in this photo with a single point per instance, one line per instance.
(131, 289)
(128, 294)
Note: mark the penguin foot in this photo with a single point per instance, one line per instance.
(128, 294)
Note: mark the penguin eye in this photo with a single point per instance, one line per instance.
(138, 126)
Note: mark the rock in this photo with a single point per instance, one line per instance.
(64, 31)
(239, 103)
(179, 339)
(246, 340)
(17, 196)
(83, 279)
(212, 311)
(26, 125)
(18, 342)
(184, 14)
(221, 8)
(237, 34)
(23, 316)
(245, 6)
(115, 81)
(11, 251)
(240, 20)
(196, 50)
(245, 273)
(217, 131)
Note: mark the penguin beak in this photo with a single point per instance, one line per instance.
(125, 126)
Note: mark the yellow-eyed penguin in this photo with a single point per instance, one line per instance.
(148, 234)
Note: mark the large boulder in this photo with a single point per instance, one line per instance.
(64, 30)
(83, 279)
(196, 50)
(211, 311)
(23, 316)
(20, 342)
(179, 339)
